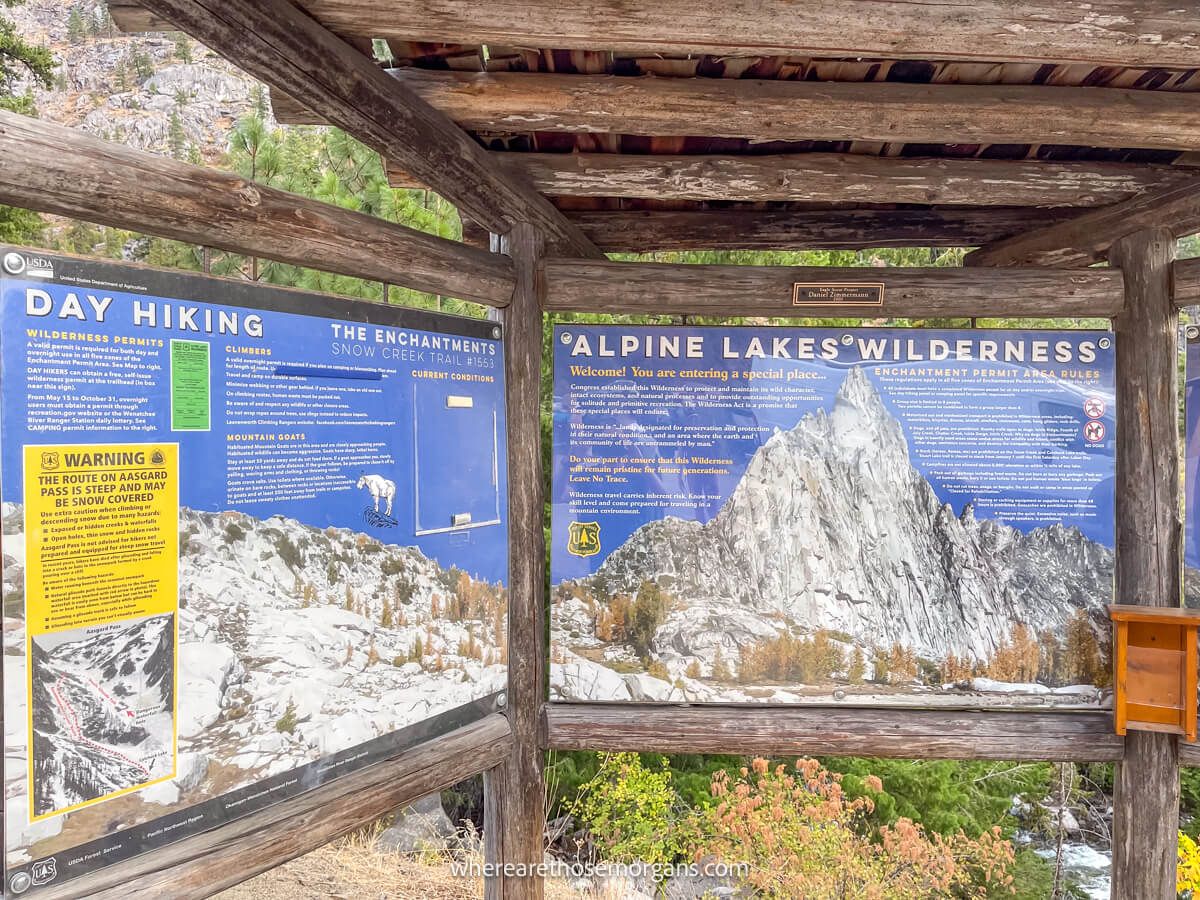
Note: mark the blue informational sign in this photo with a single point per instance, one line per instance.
(253, 539)
(1191, 456)
(785, 513)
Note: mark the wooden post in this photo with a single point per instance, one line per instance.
(1148, 543)
(514, 814)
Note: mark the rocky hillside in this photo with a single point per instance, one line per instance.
(161, 93)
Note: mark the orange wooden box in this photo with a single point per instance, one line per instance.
(1154, 669)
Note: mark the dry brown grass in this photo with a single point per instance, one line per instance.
(354, 869)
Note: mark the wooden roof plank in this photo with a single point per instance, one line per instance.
(1162, 33)
(277, 43)
(891, 112)
(58, 170)
(1086, 238)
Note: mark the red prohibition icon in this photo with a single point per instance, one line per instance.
(1093, 432)
(1094, 407)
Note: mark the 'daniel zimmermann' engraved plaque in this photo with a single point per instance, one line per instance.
(838, 293)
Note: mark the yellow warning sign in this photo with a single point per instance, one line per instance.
(101, 599)
(101, 533)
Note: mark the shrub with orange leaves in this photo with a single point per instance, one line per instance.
(802, 836)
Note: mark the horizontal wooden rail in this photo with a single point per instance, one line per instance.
(1187, 282)
(58, 170)
(825, 731)
(1189, 754)
(640, 288)
(215, 860)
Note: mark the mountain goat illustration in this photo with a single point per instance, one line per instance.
(381, 489)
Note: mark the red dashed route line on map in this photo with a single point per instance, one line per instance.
(68, 712)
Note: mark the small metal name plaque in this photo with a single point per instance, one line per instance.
(838, 293)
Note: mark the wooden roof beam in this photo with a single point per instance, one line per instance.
(638, 231)
(1152, 33)
(762, 110)
(639, 288)
(831, 178)
(1086, 238)
(277, 43)
(58, 170)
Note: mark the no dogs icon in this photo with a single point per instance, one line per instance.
(1093, 432)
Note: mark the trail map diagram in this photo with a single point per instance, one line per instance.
(102, 712)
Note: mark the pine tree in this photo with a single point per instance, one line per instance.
(858, 667)
(1082, 653)
(76, 29)
(648, 612)
(385, 616)
(348, 605)
(881, 674)
(183, 48)
(176, 136)
(143, 65)
(720, 670)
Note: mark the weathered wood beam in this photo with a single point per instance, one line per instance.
(1189, 754)
(892, 112)
(1086, 238)
(840, 178)
(1149, 545)
(826, 731)
(1150, 33)
(635, 231)
(218, 859)
(639, 288)
(1187, 287)
(282, 46)
(58, 170)
(831, 178)
(519, 810)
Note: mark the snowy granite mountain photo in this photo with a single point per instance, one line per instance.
(834, 547)
(294, 643)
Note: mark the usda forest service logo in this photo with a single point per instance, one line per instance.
(49, 460)
(584, 539)
(14, 263)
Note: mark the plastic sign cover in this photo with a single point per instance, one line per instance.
(253, 539)
(1191, 463)
(811, 515)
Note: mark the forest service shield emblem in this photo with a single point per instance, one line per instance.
(584, 539)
